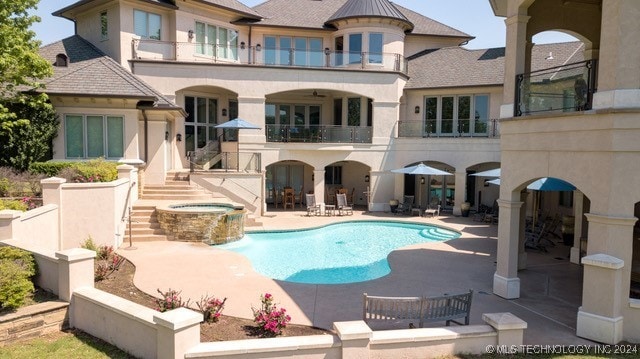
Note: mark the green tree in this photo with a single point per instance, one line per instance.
(22, 109)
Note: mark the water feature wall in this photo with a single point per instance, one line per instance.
(198, 224)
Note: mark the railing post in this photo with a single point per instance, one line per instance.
(175, 51)
(362, 59)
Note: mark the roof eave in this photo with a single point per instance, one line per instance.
(60, 13)
(499, 7)
(244, 13)
(409, 25)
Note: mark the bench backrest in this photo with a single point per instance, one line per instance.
(423, 309)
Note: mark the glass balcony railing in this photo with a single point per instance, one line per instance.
(144, 49)
(564, 88)
(441, 128)
(318, 134)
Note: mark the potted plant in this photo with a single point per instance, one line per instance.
(464, 208)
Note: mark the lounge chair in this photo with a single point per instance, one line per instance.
(434, 212)
(407, 205)
(312, 207)
(341, 199)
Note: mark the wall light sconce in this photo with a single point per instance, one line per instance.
(366, 178)
(166, 135)
(243, 45)
(313, 177)
(179, 137)
(190, 34)
(258, 47)
(417, 109)
(224, 112)
(422, 180)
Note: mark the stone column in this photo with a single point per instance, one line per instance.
(385, 117)
(505, 281)
(461, 191)
(515, 59)
(75, 270)
(251, 109)
(355, 337)
(52, 194)
(178, 331)
(522, 254)
(7, 221)
(383, 188)
(600, 316)
(318, 185)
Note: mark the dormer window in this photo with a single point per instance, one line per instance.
(62, 60)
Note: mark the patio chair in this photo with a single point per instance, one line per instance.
(406, 205)
(289, 198)
(341, 199)
(310, 199)
(300, 196)
(434, 212)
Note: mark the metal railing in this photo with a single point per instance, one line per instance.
(319, 134)
(564, 88)
(264, 56)
(465, 128)
(234, 161)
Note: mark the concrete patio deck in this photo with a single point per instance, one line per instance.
(550, 296)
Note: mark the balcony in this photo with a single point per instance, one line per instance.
(318, 134)
(261, 56)
(444, 128)
(565, 88)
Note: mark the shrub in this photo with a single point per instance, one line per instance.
(170, 300)
(211, 307)
(89, 244)
(97, 170)
(17, 267)
(14, 205)
(107, 261)
(269, 318)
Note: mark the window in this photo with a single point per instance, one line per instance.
(147, 25)
(299, 115)
(297, 51)
(93, 136)
(375, 48)
(451, 115)
(339, 49)
(104, 25)
(355, 48)
(353, 114)
(216, 41)
(199, 126)
(565, 199)
(332, 175)
(337, 112)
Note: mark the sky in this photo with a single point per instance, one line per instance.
(473, 17)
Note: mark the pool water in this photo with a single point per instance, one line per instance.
(340, 253)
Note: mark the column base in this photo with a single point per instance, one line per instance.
(508, 288)
(598, 328)
(457, 211)
(575, 255)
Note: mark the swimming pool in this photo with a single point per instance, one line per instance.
(346, 252)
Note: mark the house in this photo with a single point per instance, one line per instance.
(346, 90)
(590, 141)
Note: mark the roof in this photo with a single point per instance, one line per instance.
(460, 67)
(164, 3)
(92, 73)
(234, 6)
(314, 14)
(368, 8)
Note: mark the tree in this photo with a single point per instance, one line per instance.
(22, 109)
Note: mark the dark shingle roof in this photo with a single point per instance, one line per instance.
(368, 8)
(92, 73)
(61, 12)
(459, 67)
(235, 6)
(313, 14)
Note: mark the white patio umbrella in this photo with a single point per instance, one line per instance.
(237, 124)
(489, 173)
(421, 169)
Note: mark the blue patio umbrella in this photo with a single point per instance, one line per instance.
(551, 184)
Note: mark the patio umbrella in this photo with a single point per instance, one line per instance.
(237, 124)
(489, 173)
(421, 169)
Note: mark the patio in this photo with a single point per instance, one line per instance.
(551, 286)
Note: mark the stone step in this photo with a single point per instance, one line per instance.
(146, 238)
(170, 191)
(175, 197)
(176, 187)
(144, 231)
(148, 207)
(176, 183)
(144, 225)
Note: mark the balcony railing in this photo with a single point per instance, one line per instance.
(481, 128)
(264, 56)
(318, 134)
(558, 89)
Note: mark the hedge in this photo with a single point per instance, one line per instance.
(89, 171)
(17, 267)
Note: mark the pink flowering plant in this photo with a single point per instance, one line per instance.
(211, 307)
(270, 319)
(171, 299)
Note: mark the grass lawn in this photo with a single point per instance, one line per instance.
(69, 344)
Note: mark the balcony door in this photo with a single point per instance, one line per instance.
(452, 115)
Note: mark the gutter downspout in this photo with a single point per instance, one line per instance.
(250, 48)
(146, 136)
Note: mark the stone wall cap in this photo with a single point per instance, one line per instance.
(603, 260)
(504, 321)
(177, 319)
(53, 180)
(10, 214)
(75, 254)
(124, 167)
(352, 330)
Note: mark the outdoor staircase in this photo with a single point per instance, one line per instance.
(144, 220)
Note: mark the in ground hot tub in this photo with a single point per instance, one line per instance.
(210, 223)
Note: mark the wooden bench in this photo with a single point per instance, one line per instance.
(421, 309)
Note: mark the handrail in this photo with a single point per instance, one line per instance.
(148, 49)
(319, 134)
(476, 129)
(565, 88)
(241, 186)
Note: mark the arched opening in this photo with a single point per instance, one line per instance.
(282, 175)
(431, 190)
(349, 177)
(481, 194)
(318, 115)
